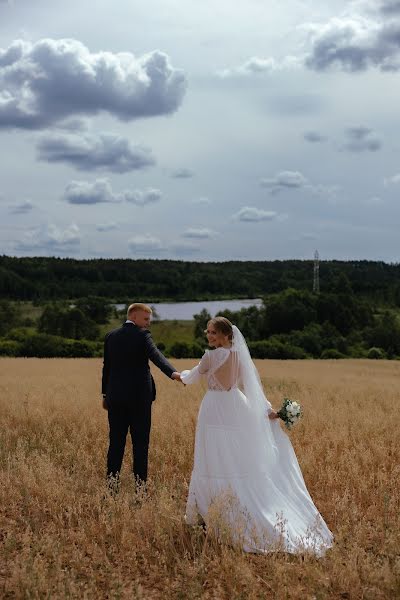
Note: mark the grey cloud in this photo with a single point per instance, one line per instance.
(250, 214)
(141, 198)
(89, 152)
(49, 238)
(199, 233)
(21, 208)
(84, 192)
(182, 174)
(390, 7)
(51, 80)
(314, 137)
(104, 227)
(145, 243)
(100, 191)
(361, 139)
(284, 180)
(355, 44)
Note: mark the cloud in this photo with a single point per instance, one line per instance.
(100, 191)
(50, 238)
(48, 81)
(200, 233)
(283, 181)
(356, 43)
(89, 152)
(259, 66)
(393, 180)
(141, 198)
(250, 214)
(361, 139)
(314, 137)
(182, 174)
(104, 227)
(145, 243)
(390, 7)
(202, 200)
(84, 192)
(21, 208)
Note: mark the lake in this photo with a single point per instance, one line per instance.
(169, 311)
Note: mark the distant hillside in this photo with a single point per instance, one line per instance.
(151, 280)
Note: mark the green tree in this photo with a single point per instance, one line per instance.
(8, 316)
(200, 323)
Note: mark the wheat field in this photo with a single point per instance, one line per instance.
(63, 536)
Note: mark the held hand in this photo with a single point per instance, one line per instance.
(273, 415)
(176, 376)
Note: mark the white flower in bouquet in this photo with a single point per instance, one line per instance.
(290, 412)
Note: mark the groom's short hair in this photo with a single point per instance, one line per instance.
(138, 306)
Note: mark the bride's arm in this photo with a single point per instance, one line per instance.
(195, 374)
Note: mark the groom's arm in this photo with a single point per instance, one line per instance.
(106, 368)
(156, 356)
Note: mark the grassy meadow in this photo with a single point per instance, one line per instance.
(63, 537)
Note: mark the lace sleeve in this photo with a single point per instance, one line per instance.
(195, 374)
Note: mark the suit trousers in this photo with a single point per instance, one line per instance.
(135, 417)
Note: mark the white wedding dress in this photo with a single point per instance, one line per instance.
(246, 480)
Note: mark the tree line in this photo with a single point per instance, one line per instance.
(42, 279)
(290, 324)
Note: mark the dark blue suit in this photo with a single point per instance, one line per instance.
(130, 390)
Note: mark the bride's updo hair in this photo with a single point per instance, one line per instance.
(222, 325)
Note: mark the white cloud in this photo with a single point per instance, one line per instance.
(84, 192)
(393, 180)
(142, 197)
(355, 43)
(44, 82)
(259, 66)
(198, 233)
(104, 227)
(202, 200)
(145, 243)
(250, 214)
(50, 238)
(284, 180)
(100, 191)
(89, 152)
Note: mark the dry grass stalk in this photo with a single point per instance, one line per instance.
(61, 538)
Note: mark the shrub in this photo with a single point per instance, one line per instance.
(376, 353)
(180, 350)
(332, 353)
(275, 349)
(9, 348)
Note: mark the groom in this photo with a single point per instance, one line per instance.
(128, 389)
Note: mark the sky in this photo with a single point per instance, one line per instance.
(202, 131)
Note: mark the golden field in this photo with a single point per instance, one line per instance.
(62, 536)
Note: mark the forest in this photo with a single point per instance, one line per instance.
(53, 307)
(42, 279)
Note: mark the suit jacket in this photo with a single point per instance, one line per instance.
(126, 371)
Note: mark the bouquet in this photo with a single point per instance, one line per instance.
(290, 412)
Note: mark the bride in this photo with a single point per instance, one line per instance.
(246, 479)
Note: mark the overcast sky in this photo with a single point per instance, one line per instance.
(210, 130)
